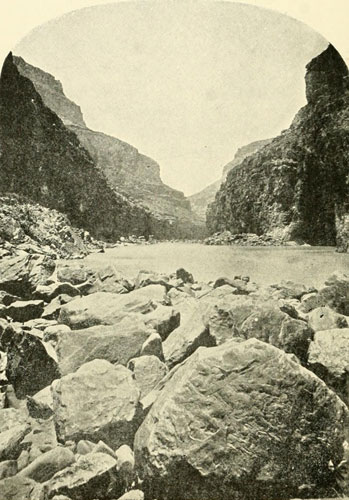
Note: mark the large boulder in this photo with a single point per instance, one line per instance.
(100, 401)
(104, 308)
(329, 359)
(184, 340)
(47, 464)
(116, 343)
(109, 279)
(23, 311)
(21, 488)
(30, 362)
(91, 476)
(241, 420)
(275, 327)
(14, 275)
(335, 293)
(324, 318)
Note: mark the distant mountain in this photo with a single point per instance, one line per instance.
(130, 173)
(298, 185)
(200, 201)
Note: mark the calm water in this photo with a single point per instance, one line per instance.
(265, 265)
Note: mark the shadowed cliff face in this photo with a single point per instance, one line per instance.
(298, 184)
(200, 201)
(45, 160)
(130, 173)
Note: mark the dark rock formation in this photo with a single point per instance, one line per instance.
(127, 171)
(297, 185)
(200, 201)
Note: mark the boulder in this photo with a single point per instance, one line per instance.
(329, 359)
(275, 327)
(103, 308)
(40, 405)
(91, 476)
(84, 446)
(14, 275)
(74, 273)
(47, 464)
(184, 275)
(50, 292)
(11, 441)
(125, 466)
(53, 309)
(30, 365)
(22, 311)
(163, 319)
(291, 290)
(8, 468)
(52, 333)
(324, 318)
(6, 298)
(40, 439)
(21, 488)
(182, 342)
(153, 346)
(336, 293)
(311, 301)
(110, 280)
(41, 268)
(101, 447)
(146, 278)
(241, 420)
(100, 401)
(116, 343)
(132, 495)
(147, 372)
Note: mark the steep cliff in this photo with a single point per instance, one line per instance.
(200, 201)
(43, 160)
(297, 185)
(129, 172)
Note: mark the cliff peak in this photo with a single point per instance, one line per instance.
(326, 75)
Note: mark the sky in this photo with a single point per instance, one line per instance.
(187, 83)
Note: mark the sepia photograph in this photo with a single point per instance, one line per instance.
(174, 250)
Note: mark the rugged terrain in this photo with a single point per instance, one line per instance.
(130, 173)
(297, 186)
(200, 201)
(161, 387)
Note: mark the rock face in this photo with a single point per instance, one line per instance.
(120, 167)
(329, 359)
(200, 201)
(43, 160)
(296, 185)
(116, 343)
(97, 402)
(228, 422)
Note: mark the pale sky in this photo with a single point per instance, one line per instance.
(187, 83)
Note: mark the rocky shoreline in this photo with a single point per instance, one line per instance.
(161, 387)
(250, 239)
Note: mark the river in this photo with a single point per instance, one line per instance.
(264, 265)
